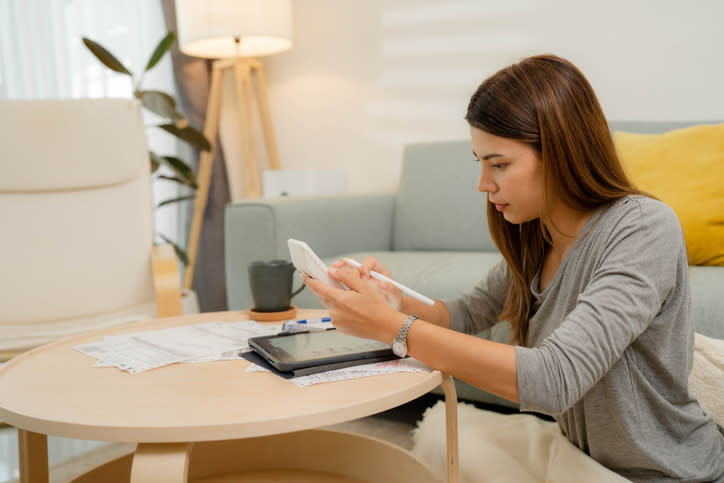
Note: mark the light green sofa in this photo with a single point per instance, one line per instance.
(432, 234)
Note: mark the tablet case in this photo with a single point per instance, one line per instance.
(252, 356)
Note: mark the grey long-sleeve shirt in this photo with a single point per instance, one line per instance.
(610, 346)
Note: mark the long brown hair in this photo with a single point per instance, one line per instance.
(546, 102)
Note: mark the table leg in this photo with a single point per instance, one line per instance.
(451, 426)
(161, 462)
(33, 457)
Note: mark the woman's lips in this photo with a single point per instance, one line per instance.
(500, 207)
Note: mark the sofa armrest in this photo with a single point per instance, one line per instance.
(331, 225)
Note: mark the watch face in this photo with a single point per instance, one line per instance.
(399, 348)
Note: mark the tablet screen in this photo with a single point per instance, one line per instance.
(309, 348)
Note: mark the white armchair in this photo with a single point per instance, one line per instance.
(76, 249)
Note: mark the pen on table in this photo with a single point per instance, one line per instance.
(306, 325)
(405, 290)
(313, 321)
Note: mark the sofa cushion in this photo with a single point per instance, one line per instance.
(707, 303)
(685, 168)
(439, 207)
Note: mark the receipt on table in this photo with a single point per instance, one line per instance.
(365, 370)
(141, 351)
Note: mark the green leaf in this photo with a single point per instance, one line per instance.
(159, 103)
(181, 169)
(175, 200)
(192, 136)
(180, 252)
(161, 49)
(156, 161)
(105, 57)
(178, 180)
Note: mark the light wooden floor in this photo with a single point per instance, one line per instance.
(68, 457)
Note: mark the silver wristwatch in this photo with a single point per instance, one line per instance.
(399, 343)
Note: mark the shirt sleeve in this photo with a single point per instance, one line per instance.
(480, 308)
(628, 286)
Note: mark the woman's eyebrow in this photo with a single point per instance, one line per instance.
(487, 156)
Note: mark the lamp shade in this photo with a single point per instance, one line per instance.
(208, 28)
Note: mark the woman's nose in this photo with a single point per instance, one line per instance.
(485, 184)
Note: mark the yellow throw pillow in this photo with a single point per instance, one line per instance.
(685, 169)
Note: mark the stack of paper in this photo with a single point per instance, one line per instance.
(141, 351)
(399, 365)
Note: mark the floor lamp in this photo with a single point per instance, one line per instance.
(233, 32)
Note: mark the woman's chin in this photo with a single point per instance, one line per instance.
(514, 219)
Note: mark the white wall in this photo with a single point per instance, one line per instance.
(365, 77)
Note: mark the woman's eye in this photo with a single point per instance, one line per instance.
(498, 166)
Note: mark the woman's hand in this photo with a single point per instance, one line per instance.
(392, 294)
(362, 310)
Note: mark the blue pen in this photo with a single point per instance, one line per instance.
(313, 321)
(303, 325)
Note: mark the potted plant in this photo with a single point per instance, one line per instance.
(164, 106)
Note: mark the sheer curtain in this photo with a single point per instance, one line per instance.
(42, 56)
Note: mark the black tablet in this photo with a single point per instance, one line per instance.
(289, 352)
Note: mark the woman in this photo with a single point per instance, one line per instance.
(593, 281)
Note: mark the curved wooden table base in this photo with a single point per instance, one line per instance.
(316, 455)
(451, 427)
(300, 457)
(33, 455)
(161, 463)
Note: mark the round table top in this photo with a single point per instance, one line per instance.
(56, 390)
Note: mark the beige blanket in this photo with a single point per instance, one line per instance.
(523, 448)
(706, 380)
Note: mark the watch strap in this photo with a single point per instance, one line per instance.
(402, 336)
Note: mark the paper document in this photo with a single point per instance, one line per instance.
(210, 341)
(214, 341)
(399, 365)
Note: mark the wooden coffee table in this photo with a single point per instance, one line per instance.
(209, 421)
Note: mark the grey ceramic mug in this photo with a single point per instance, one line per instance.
(271, 285)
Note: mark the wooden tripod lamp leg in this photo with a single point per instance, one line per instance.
(244, 70)
(206, 162)
(265, 114)
(250, 161)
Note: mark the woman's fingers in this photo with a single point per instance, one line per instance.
(327, 294)
(372, 263)
(368, 265)
(356, 311)
(323, 291)
(349, 276)
(365, 267)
